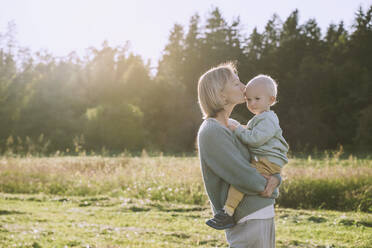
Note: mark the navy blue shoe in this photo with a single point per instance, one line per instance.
(221, 221)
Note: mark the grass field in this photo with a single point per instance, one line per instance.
(46, 221)
(160, 202)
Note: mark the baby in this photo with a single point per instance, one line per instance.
(264, 139)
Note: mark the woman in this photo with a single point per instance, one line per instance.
(225, 161)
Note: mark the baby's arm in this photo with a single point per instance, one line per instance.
(232, 126)
(260, 133)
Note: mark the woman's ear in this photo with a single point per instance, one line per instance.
(224, 99)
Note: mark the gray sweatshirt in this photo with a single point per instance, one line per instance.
(264, 138)
(224, 161)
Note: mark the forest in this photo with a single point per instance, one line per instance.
(111, 100)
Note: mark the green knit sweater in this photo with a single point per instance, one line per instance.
(224, 161)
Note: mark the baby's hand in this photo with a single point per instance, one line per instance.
(232, 127)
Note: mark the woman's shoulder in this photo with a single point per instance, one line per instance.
(215, 137)
(211, 126)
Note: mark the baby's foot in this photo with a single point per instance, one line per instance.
(221, 221)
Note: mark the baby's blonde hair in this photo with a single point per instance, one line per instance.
(270, 84)
(210, 86)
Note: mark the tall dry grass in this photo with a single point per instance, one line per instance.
(308, 183)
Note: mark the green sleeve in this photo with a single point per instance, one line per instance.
(260, 133)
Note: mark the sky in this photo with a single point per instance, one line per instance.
(63, 26)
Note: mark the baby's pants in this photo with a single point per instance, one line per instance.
(234, 196)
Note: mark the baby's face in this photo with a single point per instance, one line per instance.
(258, 98)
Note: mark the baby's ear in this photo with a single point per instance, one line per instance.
(273, 99)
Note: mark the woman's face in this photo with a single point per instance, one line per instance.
(233, 91)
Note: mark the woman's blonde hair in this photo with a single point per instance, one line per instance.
(210, 87)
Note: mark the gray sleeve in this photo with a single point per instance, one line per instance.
(260, 133)
(224, 158)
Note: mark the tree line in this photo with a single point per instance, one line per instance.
(110, 100)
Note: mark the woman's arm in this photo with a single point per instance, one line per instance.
(222, 156)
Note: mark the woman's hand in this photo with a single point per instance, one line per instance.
(272, 183)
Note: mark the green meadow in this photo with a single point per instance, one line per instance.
(160, 201)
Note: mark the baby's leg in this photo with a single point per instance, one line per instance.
(266, 167)
(270, 167)
(234, 197)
